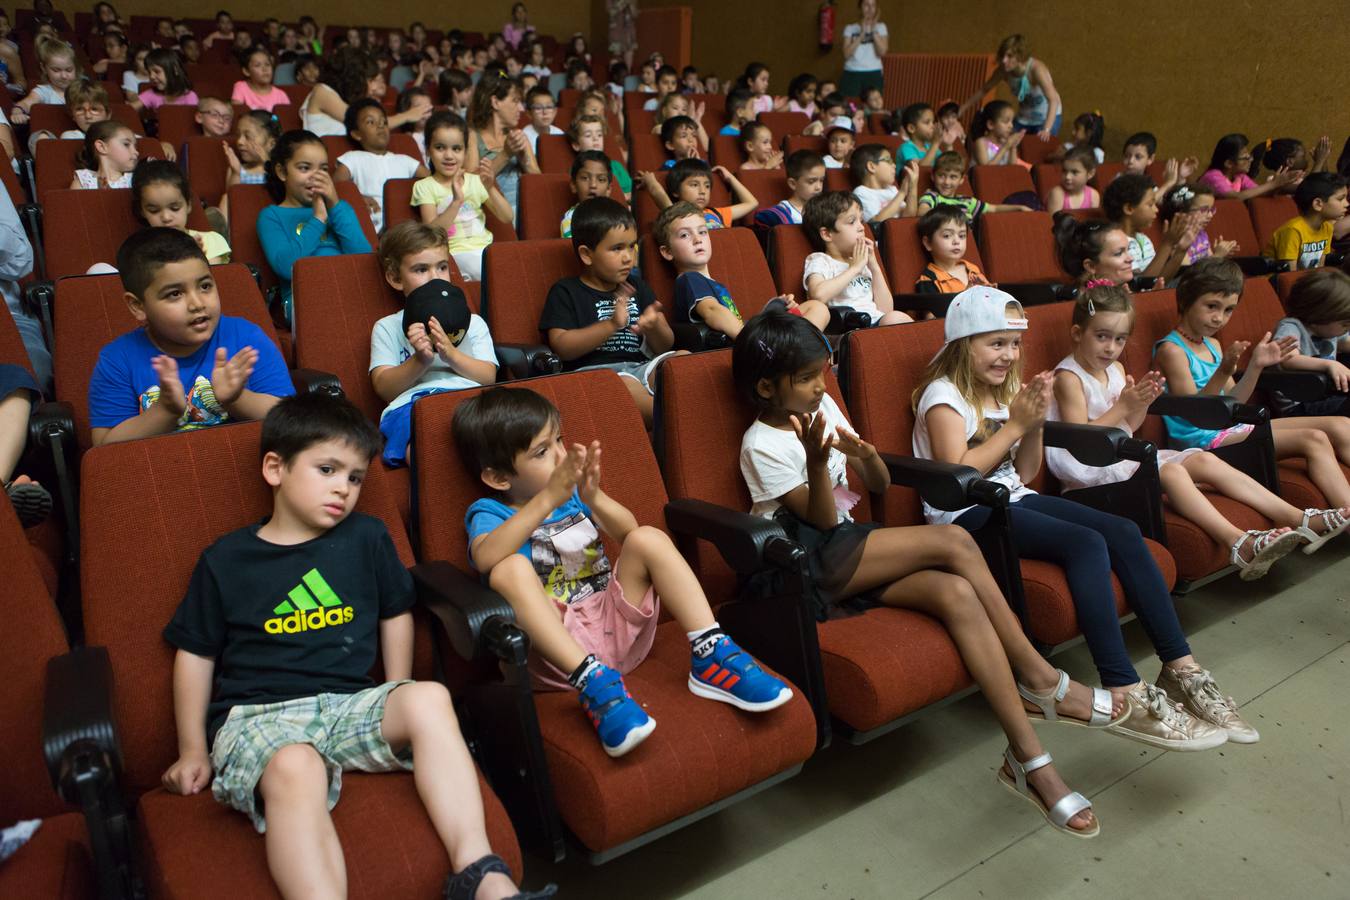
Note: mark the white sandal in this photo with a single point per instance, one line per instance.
(1332, 519)
(1068, 806)
(1267, 548)
(1101, 705)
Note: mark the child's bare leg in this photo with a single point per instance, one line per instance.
(1235, 484)
(951, 600)
(895, 317)
(536, 613)
(1187, 500)
(422, 715)
(1315, 447)
(1337, 430)
(892, 553)
(303, 852)
(641, 398)
(649, 559)
(14, 412)
(815, 312)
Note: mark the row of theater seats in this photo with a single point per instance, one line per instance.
(857, 677)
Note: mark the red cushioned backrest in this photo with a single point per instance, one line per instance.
(338, 299)
(784, 123)
(883, 368)
(838, 180)
(33, 634)
(903, 255)
(85, 227)
(543, 201)
(891, 142)
(1020, 246)
(702, 421)
(555, 153)
(594, 406)
(516, 280)
(178, 123)
(768, 185)
(183, 491)
(727, 151)
(814, 142)
(1155, 314)
(1034, 149)
(90, 312)
(1232, 223)
(877, 122)
(55, 163)
(1285, 281)
(398, 201)
(646, 152)
(788, 249)
(297, 92)
(1048, 339)
(737, 262)
(994, 183)
(1268, 214)
(1106, 173)
(214, 79)
(1046, 176)
(246, 202)
(204, 159)
(55, 117)
(1257, 313)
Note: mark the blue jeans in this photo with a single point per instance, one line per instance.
(1027, 126)
(1089, 545)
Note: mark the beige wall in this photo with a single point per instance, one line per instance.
(1187, 71)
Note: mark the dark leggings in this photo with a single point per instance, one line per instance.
(1089, 545)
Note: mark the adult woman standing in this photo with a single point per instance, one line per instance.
(622, 29)
(518, 29)
(494, 113)
(1039, 108)
(865, 43)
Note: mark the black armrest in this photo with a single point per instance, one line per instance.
(52, 420)
(257, 275)
(747, 543)
(944, 485)
(527, 360)
(476, 619)
(1201, 410)
(1032, 293)
(79, 735)
(1334, 260)
(314, 381)
(1254, 265)
(696, 337)
(934, 303)
(1095, 445)
(1300, 386)
(37, 302)
(844, 319)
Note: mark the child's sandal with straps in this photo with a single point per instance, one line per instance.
(1065, 808)
(463, 885)
(1332, 521)
(1267, 548)
(1046, 712)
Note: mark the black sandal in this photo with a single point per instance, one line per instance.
(464, 885)
(32, 502)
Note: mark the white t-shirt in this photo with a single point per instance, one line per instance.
(131, 82)
(534, 135)
(389, 347)
(873, 200)
(773, 463)
(943, 393)
(832, 163)
(371, 170)
(864, 59)
(857, 294)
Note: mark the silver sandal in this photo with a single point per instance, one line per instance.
(1331, 518)
(1068, 806)
(1267, 549)
(1045, 703)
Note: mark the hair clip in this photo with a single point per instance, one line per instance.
(1096, 283)
(764, 348)
(1182, 194)
(1091, 307)
(1269, 141)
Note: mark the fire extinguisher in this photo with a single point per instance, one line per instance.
(826, 22)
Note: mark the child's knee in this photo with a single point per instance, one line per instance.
(957, 542)
(513, 576)
(958, 599)
(427, 704)
(1316, 441)
(295, 768)
(647, 541)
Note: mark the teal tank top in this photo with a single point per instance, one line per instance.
(1182, 435)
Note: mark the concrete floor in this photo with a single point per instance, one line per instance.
(917, 813)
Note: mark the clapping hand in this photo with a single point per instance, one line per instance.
(622, 295)
(1139, 395)
(171, 396)
(589, 485)
(423, 349)
(851, 445)
(816, 441)
(1222, 248)
(1031, 404)
(1273, 352)
(485, 174)
(230, 375)
(649, 319)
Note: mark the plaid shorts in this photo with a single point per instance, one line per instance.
(345, 729)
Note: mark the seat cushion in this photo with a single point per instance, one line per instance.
(700, 752)
(886, 663)
(1050, 614)
(1196, 553)
(195, 847)
(55, 864)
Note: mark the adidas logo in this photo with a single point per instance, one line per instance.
(312, 605)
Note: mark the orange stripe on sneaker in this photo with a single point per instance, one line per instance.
(721, 677)
(731, 682)
(711, 672)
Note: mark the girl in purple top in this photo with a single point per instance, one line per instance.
(515, 31)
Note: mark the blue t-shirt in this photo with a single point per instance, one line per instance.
(565, 550)
(730, 131)
(692, 287)
(124, 383)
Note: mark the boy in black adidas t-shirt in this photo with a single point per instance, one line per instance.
(276, 638)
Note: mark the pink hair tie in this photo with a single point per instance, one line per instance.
(1098, 282)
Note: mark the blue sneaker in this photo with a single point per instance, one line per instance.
(731, 675)
(618, 719)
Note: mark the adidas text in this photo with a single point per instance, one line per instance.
(299, 621)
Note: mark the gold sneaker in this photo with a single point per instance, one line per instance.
(1155, 720)
(1195, 689)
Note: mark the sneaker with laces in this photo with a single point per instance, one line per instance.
(1196, 690)
(1155, 720)
(731, 675)
(618, 719)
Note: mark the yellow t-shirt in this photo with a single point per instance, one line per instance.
(213, 245)
(1296, 240)
(470, 229)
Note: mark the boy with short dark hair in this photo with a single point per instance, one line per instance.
(690, 180)
(370, 167)
(840, 140)
(679, 135)
(845, 269)
(873, 170)
(608, 317)
(1139, 153)
(948, 173)
(434, 345)
(805, 179)
(542, 110)
(275, 641)
(176, 371)
(923, 139)
(591, 171)
(667, 82)
(943, 231)
(1304, 240)
(682, 237)
(740, 111)
(537, 540)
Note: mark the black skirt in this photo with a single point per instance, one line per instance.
(832, 558)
